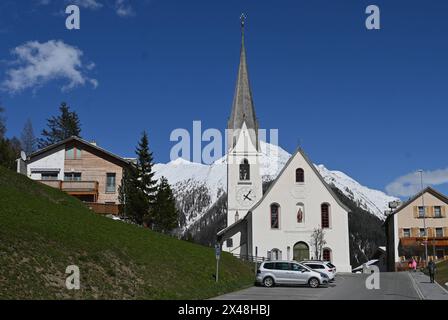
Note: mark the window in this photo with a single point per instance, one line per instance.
(437, 212)
(49, 176)
(422, 232)
(245, 170)
(110, 182)
(326, 254)
(439, 232)
(325, 215)
(282, 266)
(269, 265)
(72, 176)
(421, 212)
(296, 267)
(274, 216)
(300, 175)
(229, 243)
(237, 216)
(72, 153)
(407, 233)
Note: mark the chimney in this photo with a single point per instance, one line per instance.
(93, 143)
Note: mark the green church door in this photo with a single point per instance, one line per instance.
(301, 252)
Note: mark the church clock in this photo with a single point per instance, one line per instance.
(246, 196)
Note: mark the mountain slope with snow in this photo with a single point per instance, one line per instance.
(198, 186)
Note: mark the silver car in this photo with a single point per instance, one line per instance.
(271, 273)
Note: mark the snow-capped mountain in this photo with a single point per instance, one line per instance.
(198, 186)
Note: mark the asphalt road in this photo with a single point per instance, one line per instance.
(393, 286)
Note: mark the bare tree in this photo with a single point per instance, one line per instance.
(28, 139)
(318, 241)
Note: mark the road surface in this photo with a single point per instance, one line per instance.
(393, 286)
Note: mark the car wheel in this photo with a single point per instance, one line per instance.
(268, 282)
(313, 282)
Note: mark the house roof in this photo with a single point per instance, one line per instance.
(300, 150)
(82, 141)
(430, 190)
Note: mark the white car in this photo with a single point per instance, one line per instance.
(322, 266)
(272, 273)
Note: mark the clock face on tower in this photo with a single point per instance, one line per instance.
(246, 196)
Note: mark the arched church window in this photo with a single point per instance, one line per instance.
(326, 254)
(300, 175)
(325, 215)
(275, 212)
(245, 170)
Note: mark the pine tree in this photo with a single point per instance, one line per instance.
(144, 165)
(27, 138)
(165, 216)
(138, 187)
(134, 201)
(64, 126)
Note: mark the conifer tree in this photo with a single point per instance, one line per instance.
(165, 215)
(61, 127)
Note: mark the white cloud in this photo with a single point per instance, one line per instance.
(409, 184)
(38, 63)
(89, 4)
(124, 9)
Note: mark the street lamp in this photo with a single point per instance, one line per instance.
(424, 217)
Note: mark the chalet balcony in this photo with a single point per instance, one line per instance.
(76, 188)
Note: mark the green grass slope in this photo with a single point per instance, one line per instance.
(442, 273)
(43, 230)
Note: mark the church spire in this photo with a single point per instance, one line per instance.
(243, 109)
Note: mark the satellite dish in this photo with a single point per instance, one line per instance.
(23, 155)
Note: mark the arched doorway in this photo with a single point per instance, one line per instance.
(301, 251)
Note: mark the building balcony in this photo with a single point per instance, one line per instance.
(436, 241)
(75, 188)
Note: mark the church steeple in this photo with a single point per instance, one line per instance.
(243, 110)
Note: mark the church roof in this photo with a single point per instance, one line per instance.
(300, 150)
(243, 109)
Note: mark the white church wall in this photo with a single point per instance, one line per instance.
(311, 194)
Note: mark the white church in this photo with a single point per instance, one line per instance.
(279, 223)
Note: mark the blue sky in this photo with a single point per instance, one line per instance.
(369, 103)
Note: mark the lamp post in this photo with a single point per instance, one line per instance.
(424, 217)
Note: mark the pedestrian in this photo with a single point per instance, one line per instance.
(414, 265)
(410, 264)
(432, 270)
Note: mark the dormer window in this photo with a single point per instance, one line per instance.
(245, 170)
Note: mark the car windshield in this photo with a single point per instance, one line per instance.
(330, 265)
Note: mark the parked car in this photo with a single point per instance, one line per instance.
(271, 273)
(322, 266)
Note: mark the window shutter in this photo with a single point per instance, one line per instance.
(401, 232)
(431, 232)
(445, 232)
(443, 209)
(415, 212)
(430, 211)
(415, 232)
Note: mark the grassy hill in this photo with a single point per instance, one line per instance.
(43, 230)
(442, 273)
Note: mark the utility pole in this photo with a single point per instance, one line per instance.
(424, 218)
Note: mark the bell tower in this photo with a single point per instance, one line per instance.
(244, 184)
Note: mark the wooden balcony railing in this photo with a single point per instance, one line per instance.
(73, 186)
